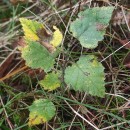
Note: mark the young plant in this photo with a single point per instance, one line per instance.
(42, 47)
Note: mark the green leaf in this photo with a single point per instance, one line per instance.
(41, 111)
(86, 75)
(37, 56)
(91, 25)
(50, 82)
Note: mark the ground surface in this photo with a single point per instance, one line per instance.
(74, 110)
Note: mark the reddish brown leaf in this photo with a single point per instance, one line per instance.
(36, 73)
(6, 64)
(21, 42)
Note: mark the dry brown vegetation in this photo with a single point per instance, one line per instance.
(75, 110)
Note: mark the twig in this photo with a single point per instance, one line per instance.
(114, 51)
(13, 73)
(125, 18)
(7, 118)
(112, 126)
(118, 96)
(77, 111)
(81, 116)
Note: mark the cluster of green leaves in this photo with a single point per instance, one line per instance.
(85, 75)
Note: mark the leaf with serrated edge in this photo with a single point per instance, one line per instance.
(37, 56)
(51, 81)
(91, 25)
(86, 75)
(30, 28)
(41, 111)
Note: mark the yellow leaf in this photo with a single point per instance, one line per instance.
(30, 28)
(41, 111)
(57, 37)
(35, 119)
(35, 31)
(51, 81)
